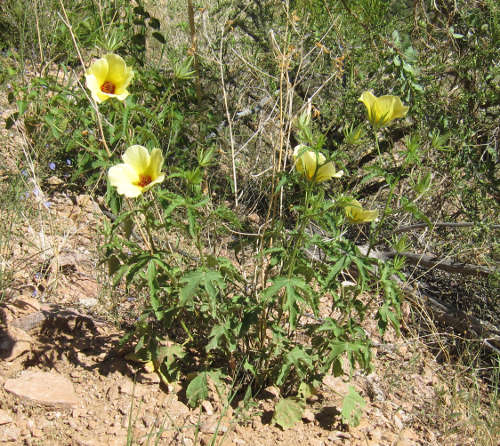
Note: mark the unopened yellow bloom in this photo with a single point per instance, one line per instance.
(312, 165)
(383, 110)
(109, 77)
(356, 214)
(140, 171)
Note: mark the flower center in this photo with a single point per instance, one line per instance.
(108, 87)
(144, 180)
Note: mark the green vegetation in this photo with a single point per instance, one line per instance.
(255, 263)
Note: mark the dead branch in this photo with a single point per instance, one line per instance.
(432, 262)
(439, 224)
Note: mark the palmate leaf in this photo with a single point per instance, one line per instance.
(300, 360)
(199, 387)
(296, 290)
(208, 279)
(197, 390)
(288, 411)
(352, 407)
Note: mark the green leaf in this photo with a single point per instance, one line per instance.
(197, 390)
(352, 407)
(288, 411)
(21, 107)
(292, 297)
(302, 362)
(210, 280)
(306, 390)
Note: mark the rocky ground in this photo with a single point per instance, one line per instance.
(64, 379)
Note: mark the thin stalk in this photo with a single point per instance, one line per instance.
(192, 31)
(374, 237)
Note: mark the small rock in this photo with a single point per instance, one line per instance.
(14, 342)
(174, 406)
(5, 418)
(407, 437)
(253, 218)
(36, 433)
(238, 441)
(207, 406)
(54, 181)
(148, 420)
(336, 383)
(112, 393)
(274, 391)
(9, 433)
(47, 388)
(308, 416)
(212, 424)
(27, 303)
(187, 441)
(129, 388)
(88, 301)
(375, 434)
(389, 437)
(398, 423)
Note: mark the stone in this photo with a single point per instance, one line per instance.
(212, 424)
(273, 391)
(5, 418)
(308, 416)
(336, 383)
(46, 388)
(207, 407)
(88, 301)
(54, 181)
(148, 420)
(175, 407)
(127, 387)
(253, 218)
(13, 343)
(9, 433)
(398, 423)
(27, 303)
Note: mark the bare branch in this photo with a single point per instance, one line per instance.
(439, 224)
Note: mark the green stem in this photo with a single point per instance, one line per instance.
(374, 237)
(376, 141)
(300, 227)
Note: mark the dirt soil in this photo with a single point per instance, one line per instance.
(53, 322)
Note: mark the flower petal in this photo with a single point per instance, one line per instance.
(368, 98)
(121, 87)
(399, 110)
(158, 180)
(122, 95)
(94, 87)
(325, 172)
(117, 72)
(99, 69)
(123, 177)
(155, 163)
(356, 214)
(138, 158)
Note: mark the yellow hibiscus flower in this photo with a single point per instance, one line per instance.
(140, 171)
(383, 110)
(312, 165)
(109, 77)
(356, 214)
